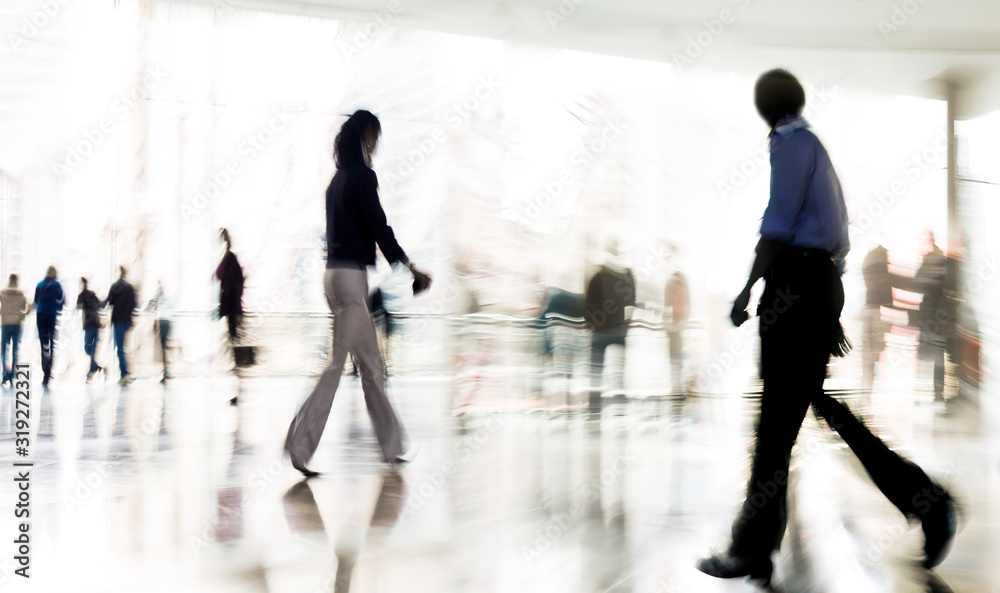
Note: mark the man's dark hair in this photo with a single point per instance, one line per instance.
(356, 139)
(83, 280)
(778, 94)
(12, 280)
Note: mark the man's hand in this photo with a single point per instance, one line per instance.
(421, 281)
(739, 313)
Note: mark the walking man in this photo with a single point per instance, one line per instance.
(48, 302)
(121, 297)
(610, 290)
(800, 255)
(91, 307)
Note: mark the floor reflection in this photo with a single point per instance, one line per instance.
(171, 488)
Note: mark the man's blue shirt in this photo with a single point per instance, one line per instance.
(807, 206)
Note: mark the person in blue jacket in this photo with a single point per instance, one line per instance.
(48, 303)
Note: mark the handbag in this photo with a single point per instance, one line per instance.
(246, 356)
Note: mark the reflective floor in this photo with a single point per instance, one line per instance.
(170, 488)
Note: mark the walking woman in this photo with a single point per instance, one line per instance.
(230, 275)
(355, 223)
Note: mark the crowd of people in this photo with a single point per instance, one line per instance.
(122, 302)
(800, 256)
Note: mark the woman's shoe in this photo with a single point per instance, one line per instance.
(727, 566)
(308, 473)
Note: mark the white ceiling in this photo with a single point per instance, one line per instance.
(824, 42)
(888, 45)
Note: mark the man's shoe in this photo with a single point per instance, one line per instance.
(939, 525)
(727, 566)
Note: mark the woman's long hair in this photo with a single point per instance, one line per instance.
(356, 140)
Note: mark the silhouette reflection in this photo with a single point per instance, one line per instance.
(304, 517)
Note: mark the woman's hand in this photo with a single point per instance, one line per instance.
(421, 281)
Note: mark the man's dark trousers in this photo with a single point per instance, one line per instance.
(46, 337)
(799, 313)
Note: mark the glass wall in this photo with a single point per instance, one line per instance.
(505, 169)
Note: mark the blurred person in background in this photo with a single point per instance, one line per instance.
(610, 290)
(678, 301)
(800, 255)
(13, 309)
(231, 282)
(48, 303)
(355, 224)
(878, 294)
(934, 318)
(230, 276)
(121, 299)
(159, 305)
(88, 302)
